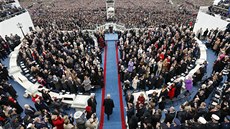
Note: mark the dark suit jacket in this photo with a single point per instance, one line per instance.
(41, 106)
(30, 112)
(92, 104)
(109, 105)
(130, 100)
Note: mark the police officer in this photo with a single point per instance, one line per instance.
(214, 124)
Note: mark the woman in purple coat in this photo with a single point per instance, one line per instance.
(130, 66)
(188, 83)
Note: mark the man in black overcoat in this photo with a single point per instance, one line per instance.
(92, 102)
(109, 105)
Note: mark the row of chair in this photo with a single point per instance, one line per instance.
(216, 98)
(26, 72)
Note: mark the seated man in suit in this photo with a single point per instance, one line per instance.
(30, 111)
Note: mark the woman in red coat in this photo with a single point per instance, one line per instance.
(58, 122)
(171, 92)
(101, 42)
(34, 97)
(140, 100)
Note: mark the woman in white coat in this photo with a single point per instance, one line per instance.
(92, 122)
(134, 82)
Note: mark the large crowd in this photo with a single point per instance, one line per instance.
(147, 58)
(222, 9)
(67, 61)
(89, 14)
(151, 58)
(7, 10)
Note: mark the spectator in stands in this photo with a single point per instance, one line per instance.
(30, 111)
(40, 105)
(226, 124)
(188, 84)
(129, 98)
(92, 122)
(87, 84)
(80, 119)
(57, 121)
(75, 75)
(92, 102)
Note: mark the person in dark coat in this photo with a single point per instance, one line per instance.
(205, 33)
(46, 96)
(176, 124)
(226, 123)
(14, 103)
(178, 88)
(214, 124)
(10, 89)
(30, 111)
(40, 106)
(129, 98)
(109, 105)
(130, 111)
(159, 82)
(200, 124)
(181, 114)
(162, 103)
(133, 122)
(169, 115)
(156, 117)
(92, 102)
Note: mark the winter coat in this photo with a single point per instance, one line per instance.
(109, 105)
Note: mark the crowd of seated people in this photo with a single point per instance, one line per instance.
(48, 112)
(222, 8)
(151, 59)
(7, 1)
(8, 95)
(197, 113)
(7, 10)
(70, 15)
(67, 61)
(8, 44)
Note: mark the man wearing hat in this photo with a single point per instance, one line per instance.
(226, 123)
(214, 124)
(80, 119)
(201, 123)
(92, 102)
(109, 105)
(176, 124)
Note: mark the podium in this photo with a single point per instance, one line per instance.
(111, 37)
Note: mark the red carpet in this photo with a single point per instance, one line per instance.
(120, 94)
(103, 91)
